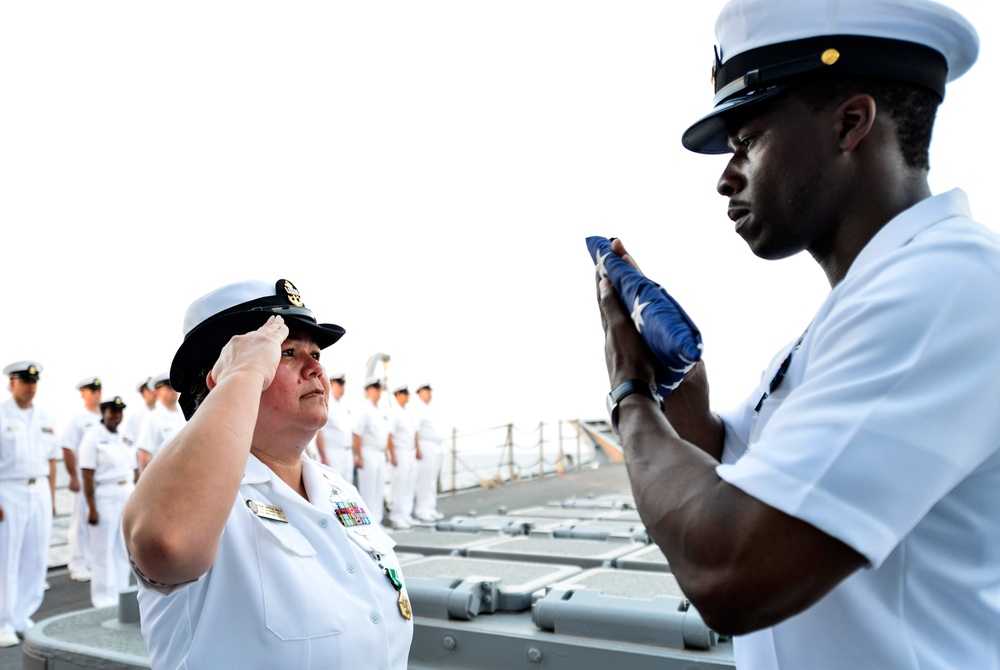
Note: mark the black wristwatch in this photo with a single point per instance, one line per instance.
(626, 388)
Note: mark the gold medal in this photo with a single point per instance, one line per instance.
(404, 607)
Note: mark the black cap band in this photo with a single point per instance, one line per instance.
(833, 54)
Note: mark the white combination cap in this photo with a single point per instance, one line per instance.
(89, 382)
(159, 381)
(28, 371)
(765, 46)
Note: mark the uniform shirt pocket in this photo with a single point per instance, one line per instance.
(294, 581)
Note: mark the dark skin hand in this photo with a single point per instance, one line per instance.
(744, 565)
(89, 487)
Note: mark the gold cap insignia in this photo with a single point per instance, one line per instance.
(293, 294)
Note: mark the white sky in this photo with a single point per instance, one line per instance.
(424, 172)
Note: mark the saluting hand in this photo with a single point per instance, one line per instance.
(258, 351)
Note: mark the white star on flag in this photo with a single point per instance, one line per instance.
(601, 270)
(637, 313)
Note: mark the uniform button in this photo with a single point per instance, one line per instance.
(350, 568)
(375, 617)
(323, 522)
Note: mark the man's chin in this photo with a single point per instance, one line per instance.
(769, 252)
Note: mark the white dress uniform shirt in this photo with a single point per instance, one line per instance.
(404, 473)
(885, 435)
(306, 594)
(429, 465)
(338, 439)
(133, 424)
(27, 445)
(112, 458)
(78, 535)
(372, 426)
(159, 427)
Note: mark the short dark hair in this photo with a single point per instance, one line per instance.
(912, 108)
(196, 392)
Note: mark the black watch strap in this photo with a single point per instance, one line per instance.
(627, 388)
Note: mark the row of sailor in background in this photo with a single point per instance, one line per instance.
(361, 444)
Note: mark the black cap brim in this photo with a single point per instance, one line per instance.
(710, 134)
(25, 377)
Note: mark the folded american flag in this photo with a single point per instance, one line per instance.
(669, 332)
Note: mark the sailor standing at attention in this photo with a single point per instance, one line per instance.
(336, 441)
(162, 423)
(136, 415)
(28, 455)
(403, 458)
(429, 435)
(845, 514)
(109, 469)
(248, 555)
(371, 440)
(69, 439)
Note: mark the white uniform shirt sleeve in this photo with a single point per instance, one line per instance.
(52, 444)
(87, 457)
(148, 441)
(69, 437)
(361, 422)
(895, 405)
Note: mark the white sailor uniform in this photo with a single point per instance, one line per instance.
(429, 465)
(27, 446)
(133, 424)
(158, 428)
(297, 584)
(404, 473)
(883, 435)
(372, 425)
(78, 535)
(112, 458)
(338, 439)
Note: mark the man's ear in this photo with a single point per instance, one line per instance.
(855, 120)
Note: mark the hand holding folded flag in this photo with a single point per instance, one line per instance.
(668, 331)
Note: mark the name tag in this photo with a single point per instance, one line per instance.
(265, 511)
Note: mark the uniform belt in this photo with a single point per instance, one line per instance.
(28, 481)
